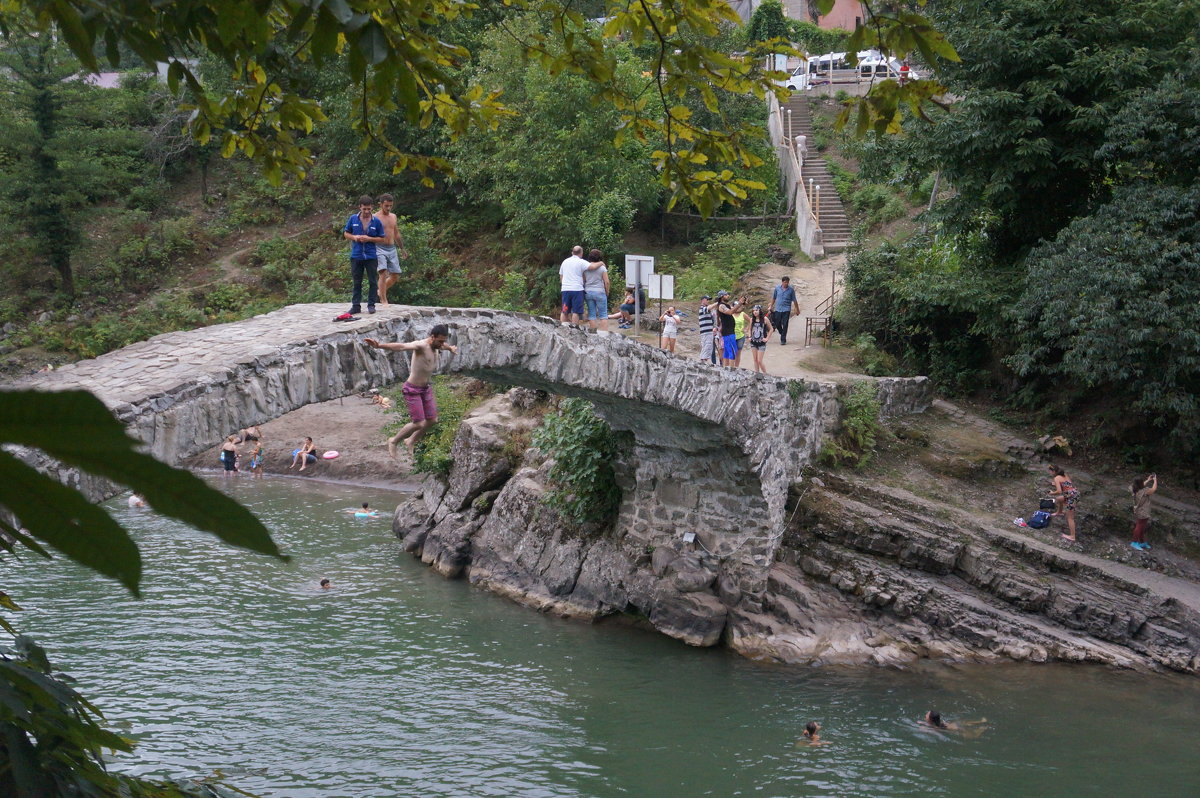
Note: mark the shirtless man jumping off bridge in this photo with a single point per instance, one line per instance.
(418, 393)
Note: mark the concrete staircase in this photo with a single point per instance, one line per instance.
(835, 226)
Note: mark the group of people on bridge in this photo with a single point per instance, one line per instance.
(726, 326)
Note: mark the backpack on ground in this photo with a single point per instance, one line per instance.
(1047, 504)
(1039, 520)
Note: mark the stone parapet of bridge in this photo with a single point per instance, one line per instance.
(713, 450)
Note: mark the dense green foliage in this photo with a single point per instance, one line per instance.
(869, 204)
(66, 146)
(553, 168)
(812, 39)
(767, 23)
(726, 259)
(1114, 302)
(929, 301)
(583, 448)
(1040, 82)
(409, 56)
(855, 441)
(1068, 249)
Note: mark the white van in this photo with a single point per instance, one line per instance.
(818, 70)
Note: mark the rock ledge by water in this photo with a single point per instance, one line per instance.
(862, 574)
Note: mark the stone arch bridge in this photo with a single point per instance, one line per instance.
(712, 449)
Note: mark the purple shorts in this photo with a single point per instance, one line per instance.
(421, 404)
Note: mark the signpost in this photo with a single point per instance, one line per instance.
(638, 269)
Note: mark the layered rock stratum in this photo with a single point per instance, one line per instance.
(859, 573)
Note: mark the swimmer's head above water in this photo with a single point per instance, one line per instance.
(326, 583)
(934, 719)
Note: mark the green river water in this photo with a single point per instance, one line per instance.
(400, 683)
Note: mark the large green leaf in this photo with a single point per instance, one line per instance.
(85, 435)
(63, 518)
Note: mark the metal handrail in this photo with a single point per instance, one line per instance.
(827, 305)
(825, 308)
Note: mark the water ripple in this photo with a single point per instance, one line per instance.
(397, 682)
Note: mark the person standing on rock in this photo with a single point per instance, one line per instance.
(707, 322)
(256, 459)
(388, 255)
(783, 307)
(364, 231)
(595, 291)
(418, 390)
(1143, 488)
(570, 275)
(725, 315)
(1067, 496)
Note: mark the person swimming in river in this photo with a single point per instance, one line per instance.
(812, 734)
(326, 584)
(969, 729)
(363, 512)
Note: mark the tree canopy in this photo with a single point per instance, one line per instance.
(1039, 84)
(394, 57)
(1068, 251)
(767, 23)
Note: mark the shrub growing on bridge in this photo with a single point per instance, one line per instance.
(855, 441)
(581, 444)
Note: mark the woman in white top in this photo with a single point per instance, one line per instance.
(670, 329)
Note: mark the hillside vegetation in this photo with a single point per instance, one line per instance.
(1061, 273)
(144, 231)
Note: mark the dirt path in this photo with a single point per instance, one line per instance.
(230, 257)
(813, 281)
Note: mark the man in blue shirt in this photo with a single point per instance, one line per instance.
(365, 231)
(783, 307)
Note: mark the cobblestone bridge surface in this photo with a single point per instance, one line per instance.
(711, 444)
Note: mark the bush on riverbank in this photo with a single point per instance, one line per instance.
(726, 259)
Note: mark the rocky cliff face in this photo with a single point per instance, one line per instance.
(867, 573)
(860, 574)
